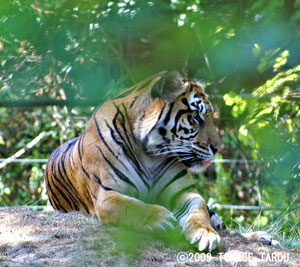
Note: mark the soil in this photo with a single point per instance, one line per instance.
(39, 238)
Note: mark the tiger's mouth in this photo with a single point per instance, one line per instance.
(197, 166)
(200, 163)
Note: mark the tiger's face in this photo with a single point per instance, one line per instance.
(184, 127)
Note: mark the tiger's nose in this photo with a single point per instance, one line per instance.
(216, 148)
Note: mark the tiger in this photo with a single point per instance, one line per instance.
(132, 166)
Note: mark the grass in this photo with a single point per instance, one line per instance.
(285, 228)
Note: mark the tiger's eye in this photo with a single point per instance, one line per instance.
(195, 113)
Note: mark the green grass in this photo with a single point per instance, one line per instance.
(285, 228)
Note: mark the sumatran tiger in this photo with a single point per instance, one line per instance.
(131, 166)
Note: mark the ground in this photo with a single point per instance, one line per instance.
(39, 238)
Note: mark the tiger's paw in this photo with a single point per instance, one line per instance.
(263, 237)
(205, 238)
(160, 219)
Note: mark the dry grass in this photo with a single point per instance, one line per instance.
(36, 238)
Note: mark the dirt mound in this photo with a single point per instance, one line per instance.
(36, 238)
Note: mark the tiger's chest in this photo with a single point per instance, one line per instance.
(153, 180)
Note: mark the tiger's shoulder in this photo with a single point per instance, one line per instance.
(135, 99)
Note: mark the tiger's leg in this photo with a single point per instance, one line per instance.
(192, 215)
(114, 208)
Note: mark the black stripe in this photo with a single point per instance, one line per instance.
(189, 137)
(185, 102)
(74, 195)
(176, 177)
(72, 192)
(162, 168)
(180, 113)
(55, 153)
(112, 134)
(59, 181)
(130, 126)
(122, 122)
(51, 165)
(52, 197)
(122, 176)
(195, 105)
(114, 121)
(85, 172)
(98, 181)
(62, 194)
(78, 147)
(94, 197)
(55, 203)
(132, 103)
(105, 143)
(167, 118)
(177, 117)
(179, 212)
(160, 114)
(62, 164)
(101, 137)
(178, 194)
(185, 211)
(130, 154)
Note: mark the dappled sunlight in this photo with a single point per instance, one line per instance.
(12, 236)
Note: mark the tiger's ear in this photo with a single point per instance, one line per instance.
(168, 87)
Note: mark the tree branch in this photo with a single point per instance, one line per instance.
(49, 102)
(23, 150)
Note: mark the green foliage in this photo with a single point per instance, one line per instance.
(271, 129)
(270, 132)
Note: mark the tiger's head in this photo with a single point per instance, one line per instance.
(179, 122)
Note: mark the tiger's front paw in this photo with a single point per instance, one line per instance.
(206, 238)
(160, 219)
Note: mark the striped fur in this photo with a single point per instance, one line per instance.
(131, 165)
